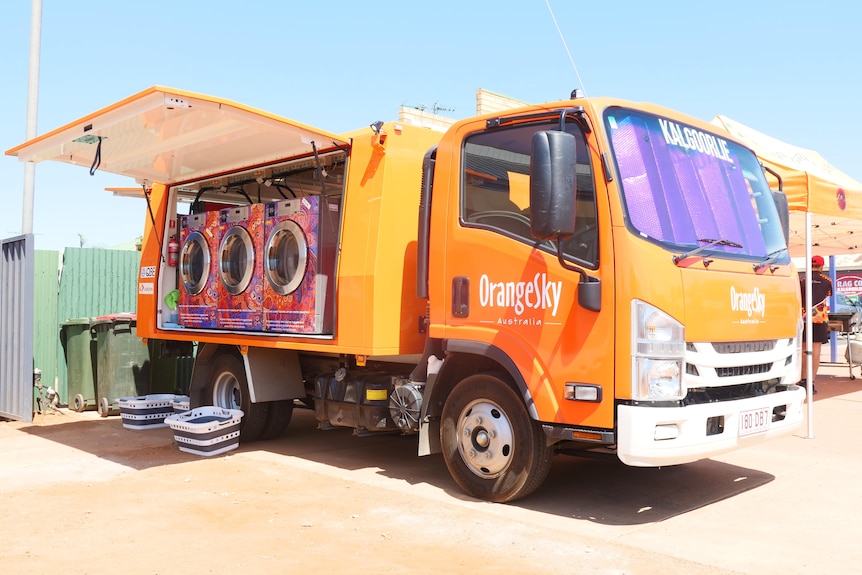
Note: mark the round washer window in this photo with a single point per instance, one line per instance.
(194, 263)
(286, 257)
(236, 260)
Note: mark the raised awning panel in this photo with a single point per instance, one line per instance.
(169, 136)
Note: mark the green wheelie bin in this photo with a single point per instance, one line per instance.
(122, 367)
(76, 340)
(170, 366)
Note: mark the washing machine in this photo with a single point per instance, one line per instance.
(299, 265)
(240, 268)
(199, 294)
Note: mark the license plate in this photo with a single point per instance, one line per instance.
(754, 421)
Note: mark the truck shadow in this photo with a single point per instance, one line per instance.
(107, 439)
(603, 491)
(611, 493)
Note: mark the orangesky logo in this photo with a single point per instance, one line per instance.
(751, 303)
(536, 294)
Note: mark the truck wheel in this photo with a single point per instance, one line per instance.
(280, 413)
(493, 450)
(228, 389)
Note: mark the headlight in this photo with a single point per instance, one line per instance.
(658, 359)
(659, 379)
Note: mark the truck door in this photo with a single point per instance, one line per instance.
(509, 290)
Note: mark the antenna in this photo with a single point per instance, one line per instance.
(566, 46)
(435, 109)
(420, 107)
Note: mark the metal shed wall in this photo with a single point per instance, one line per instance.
(16, 328)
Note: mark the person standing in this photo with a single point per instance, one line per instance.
(821, 290)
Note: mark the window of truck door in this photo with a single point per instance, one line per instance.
(495, 183)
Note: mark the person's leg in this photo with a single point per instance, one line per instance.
(816, 347)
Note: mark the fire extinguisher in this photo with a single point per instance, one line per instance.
(173, 252)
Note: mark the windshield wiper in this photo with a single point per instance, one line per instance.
(709, 244)
(768, 260)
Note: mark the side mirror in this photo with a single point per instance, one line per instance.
(553, 189)
(783, 213)
(552, 184)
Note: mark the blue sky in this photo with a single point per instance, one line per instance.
(792, 72)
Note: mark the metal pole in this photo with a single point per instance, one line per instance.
(833, 336)
(809, 337)
(32, 108)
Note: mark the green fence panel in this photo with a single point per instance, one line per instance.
(94, 282)
(45, 319)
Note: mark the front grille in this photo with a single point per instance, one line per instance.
(744, 346)
(743, 370)
(731, 392)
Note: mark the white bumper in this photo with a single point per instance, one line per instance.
(640, 443)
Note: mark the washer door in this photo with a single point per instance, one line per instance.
(286, 257)
(236, 260)
(194, 263)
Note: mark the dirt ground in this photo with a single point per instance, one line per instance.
(81, 494)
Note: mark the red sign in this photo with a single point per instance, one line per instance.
(851, 284)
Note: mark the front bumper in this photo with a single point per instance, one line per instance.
(643, 438)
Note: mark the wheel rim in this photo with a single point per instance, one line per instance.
(485, 439)
(227, 392)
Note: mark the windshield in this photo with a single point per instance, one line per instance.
(686, 188)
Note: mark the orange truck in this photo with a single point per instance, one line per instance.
(587, 276)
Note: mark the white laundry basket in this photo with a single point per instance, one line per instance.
(206, 430)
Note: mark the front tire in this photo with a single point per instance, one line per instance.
(228, 388)
(492, 448)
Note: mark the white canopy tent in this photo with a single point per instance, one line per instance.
(825, 207)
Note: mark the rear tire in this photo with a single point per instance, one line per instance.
(280, 413)
(228, 388)
(492, 448)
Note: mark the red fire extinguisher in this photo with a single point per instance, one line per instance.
(173, 252)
